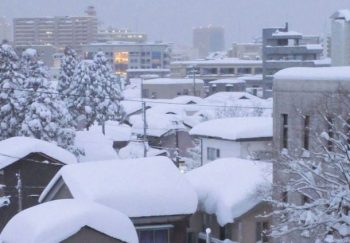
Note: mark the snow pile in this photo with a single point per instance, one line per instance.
(95, 145)
(58, 220)
(15, 148)
(237, 128)
(317, 74)
(139, 187)
(134, 150)
(166, 81)
(227, 187)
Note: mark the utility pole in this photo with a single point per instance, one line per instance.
(19, 191)
(144, 129)
(194, 79)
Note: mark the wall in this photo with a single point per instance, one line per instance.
(169, 91)
(89, 235)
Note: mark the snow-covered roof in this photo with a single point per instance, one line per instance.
(227, 81)
(58, 220)
(227, 187)
(314, 73)
(114, 131)
(224, 97)
(96, 146)
(286, 34)
(137, 187)
(131, 107)
(187, 99)
(135, 149)
(223, 61)
(172, 81)
(237, 128)
(342, 14)
(15, 148)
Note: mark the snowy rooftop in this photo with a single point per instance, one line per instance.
(134, 150)
(172, 81)
(286, 34)
(187, 99)
(342, 14)
(58, 220)
(137, 187)
(318, 74)
(114, 131)
(15, 148)
(219, 61)
(227, 81)
(227, 187)
(237, 128)
(226, 97)
(95, 145)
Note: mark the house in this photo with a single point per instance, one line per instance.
(226, 85)
(241, 137)
(69, 221)
(150, 191)
(168, 88)
(230, 193)
(26, 167)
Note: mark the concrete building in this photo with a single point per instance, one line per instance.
(340, 45)
(112, 34)
(283, 48)
(56, 31)
(131, 55)
(209, 70)
(302, 97)
(247, 51)
(5, 30)
(228, 85)
(208, 39)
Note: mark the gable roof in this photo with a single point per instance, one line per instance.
(137, 187)
(58, 220)
(237, 128)
(15, 148)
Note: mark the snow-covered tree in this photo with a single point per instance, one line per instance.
(321, 179)
(12, 101)
(69, 63)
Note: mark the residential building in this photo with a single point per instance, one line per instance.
(5, 30)
(22, 159)
(152, 192)
(229, 204)
(283, 48)
(302, 98)
(130, 56)
(208, 39)
(340, 45)
(209, 70)
(226, 85)
(246, 51)
(240, 137)
(57, 31)
(70, 221)
(112, 34)
(169, 88)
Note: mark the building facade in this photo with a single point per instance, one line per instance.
(208, 39)
(247, 51)
(340, 45)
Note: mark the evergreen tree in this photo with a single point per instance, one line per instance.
(12, 97)
(69, 63)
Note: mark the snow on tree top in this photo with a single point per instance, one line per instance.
(15, 148)
(312, 73)
(228, 187)
(137, 187)
(58, 220)
(237, 128)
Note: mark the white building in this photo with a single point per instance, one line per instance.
(340, 45)
(240, 137)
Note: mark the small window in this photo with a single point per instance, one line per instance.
(213, 153)
(154, 236)
(284, 131)
(307, 132)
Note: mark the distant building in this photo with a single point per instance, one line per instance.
(46, 53)
(56, 31)
(131, 55)
(5, 30)
(283, 48)
(247, 51)
(228, 85)
(340, 45)
(111, 34)
(208, 39)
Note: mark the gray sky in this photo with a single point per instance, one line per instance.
(173, 20)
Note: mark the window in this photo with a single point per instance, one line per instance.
(330, 145)
(145, 93)
(225, 232)
(213, 153)
(153, 235)
(154, 95)
(284, 197)
(307, 132)
(244, 70)
(284, 131)
(261, 231)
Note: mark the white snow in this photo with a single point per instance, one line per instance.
(187, 99)
(166, 81)
(15, 148)
(96, 146)
(4, 201)
(135, 149)
(342, 14)
(227, 187)
(114, 131)
(227, 81)
(219, 61)
(57, 220)
(286, 33)
(235, 128)
(137, 187)
(318, 74)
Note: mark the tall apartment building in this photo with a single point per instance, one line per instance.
(283, 48)
(208, 39)
(132, 57)
(340, 45)
(111, 34)
(57, 31)
(5, 30)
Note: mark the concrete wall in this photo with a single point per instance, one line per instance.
(89, 235)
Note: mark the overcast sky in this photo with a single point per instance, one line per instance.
(173, 20)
